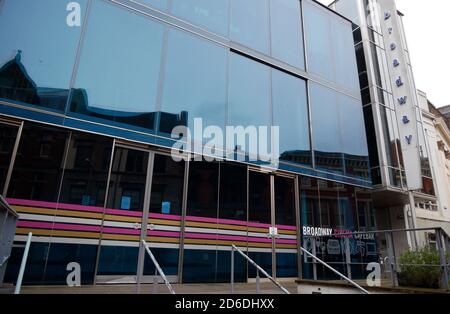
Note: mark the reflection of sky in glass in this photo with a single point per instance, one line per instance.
(290, 111)
(338, 123)
(120, 60)
(39, 29)
(195, 82)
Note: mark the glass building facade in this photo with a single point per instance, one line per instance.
(87, 112)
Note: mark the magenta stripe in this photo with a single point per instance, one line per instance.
(163, 234)
(293, 228)
(163, 216)
(52, 205)
(121, 212)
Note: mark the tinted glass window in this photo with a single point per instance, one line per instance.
(353, 137)
(167, 186)
(39, 163)
(259, 198)
(86, 170)
(249, 23)
(203, 188)
(128, 179)
(330, 47)
(249, 95)
(119, 67)
(233, 192)
(325, 121)
(8, 134)
(212, 15)
(284, 202)
(318, 38)
(290, 113)
(195, 82)
(286, 32)
(38, 50)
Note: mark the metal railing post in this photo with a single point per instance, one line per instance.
(314, 251)
(348, 258)
(259, 269)
(155, 282)
(232, 270)
(23, 264)
(158, 269)
(442, 258)
(258, 288)
(392, 261)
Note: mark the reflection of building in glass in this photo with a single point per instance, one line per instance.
(91, 118)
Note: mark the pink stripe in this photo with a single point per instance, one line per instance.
(293, 228)
(58, 226)
(163, 216)
(52, 205)
(163, 234)
(121, 212)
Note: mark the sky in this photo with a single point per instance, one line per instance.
(427, 27)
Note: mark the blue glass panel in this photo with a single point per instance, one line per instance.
(286, 31)
(325, 121)
(353, 137)
(249, 94)
(287, 266)
(264, 260)
(34, 272)
(290, 113)
(118, 260)
(167, 259)
(319, 45)
(249, 23)
(345, 56)
(61, 255)
(119, 67)
(199, 266)
(37, 51)
(195, 82)
(212, 15)
(157, 4)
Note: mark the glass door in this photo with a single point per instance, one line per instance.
(272, 225)
(285, 222)
(260, 244)
(122, 224)
(164, 217)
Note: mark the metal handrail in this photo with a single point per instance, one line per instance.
(233, 248)
(335, 271)
(158, 268)
(23, 264)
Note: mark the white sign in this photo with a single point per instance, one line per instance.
(404, 91)
(273, 231)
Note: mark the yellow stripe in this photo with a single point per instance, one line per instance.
(124, 237)
(163, 240)
(164, 222)
(123, 218)
(58, 233)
